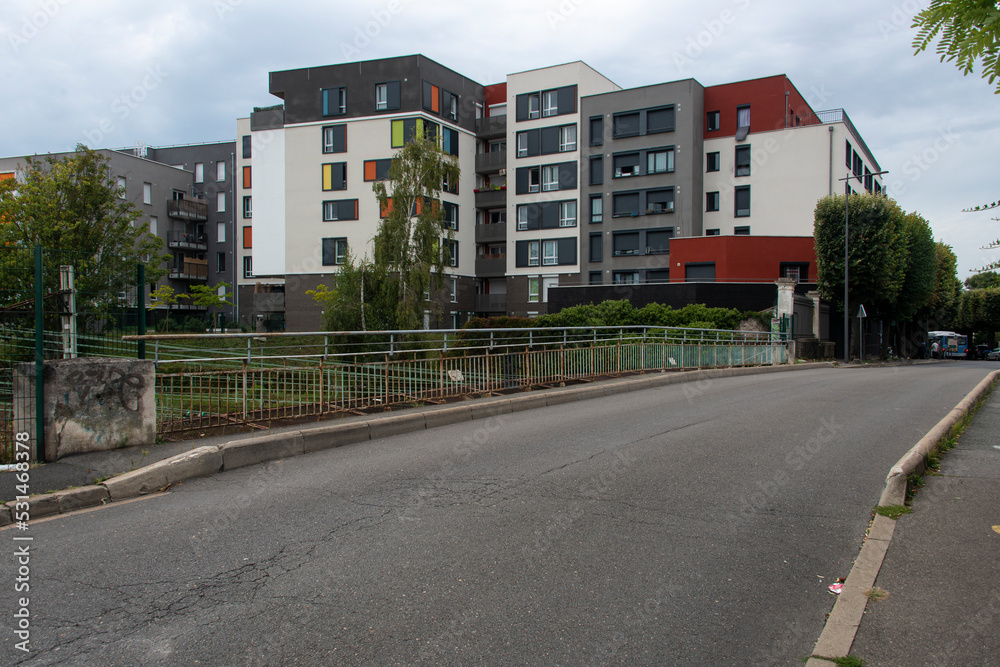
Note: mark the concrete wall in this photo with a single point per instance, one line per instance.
(90, 404)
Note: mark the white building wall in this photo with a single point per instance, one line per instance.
(269, 163)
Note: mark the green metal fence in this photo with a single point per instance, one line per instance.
(58, 304)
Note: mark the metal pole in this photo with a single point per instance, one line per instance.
(39, 358)
(140, 290)
(847, 317)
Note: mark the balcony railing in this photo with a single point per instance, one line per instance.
(491, 303)
(490, 128)
(187, 209)
(493, 265)
(179, 240)
(487, 163)
(495, 233)
(189, 269)
(491, 198)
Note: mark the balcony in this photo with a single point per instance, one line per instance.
(492, 265)
(189, 269)
(187, 209)
(491, 198)
(273, 302)
(488, 163)
(495, 233)
(178, 240)
(491, 128)
(491, 303)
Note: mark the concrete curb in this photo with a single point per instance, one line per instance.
(205, 461)
(844, 620)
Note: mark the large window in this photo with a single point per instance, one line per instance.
(567, 138)
(660, 161)
(449, 141)
(660, 201)
(341, 209)
(546, 140)
(547, 215)
(377, 170)
(742, 122)
(387, 96)
(567, 214)
(560, 176)
(625, 243)
(596, 209)
(334, 251)
(743, 201)
(550, 253)
(335, 139)
(743, 160)
(625, 124)
(550, 103)
(556, 102)
(334, 176)
(450, 215)
(547, 252)
(334, 101)
(659, 120)
(453, 253)
(626, 164)
(625, 204)
(550, 178)
(649, 202)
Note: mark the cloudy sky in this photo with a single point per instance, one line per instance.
(110, 73)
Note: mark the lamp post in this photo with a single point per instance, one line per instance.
(847, 235)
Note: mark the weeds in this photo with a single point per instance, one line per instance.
(876, 594)
(893, 511)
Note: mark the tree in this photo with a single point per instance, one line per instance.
(74, 203)
(983, 280)
(207, 296)
(942, 307)
(413, 241)
(164, 295)
(969, 32)
(361, 299)
(921, 270)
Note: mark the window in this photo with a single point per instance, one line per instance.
(334, 251)
(792, 271)
(660, 120)
(550, 253)
(741, 231)
(625, 124)
(451, 105)
(522, 218)
(342, 209)
(597, 131)
(522, 144)
(334, 101)
(335, 139)
(743, 201)
(220, 232)
(712, 121)
(152, 224)
(534, 178)
(712, 232)
(625, 243)
(247, 146)
(550, 178)
(742, 122)
(658, 276)
(660, 161)
(625, 204)
(596, 169)
(712, 161)
(220, 202)
(550, 103)
(595, 278)
(533, 289)
(432, 97)
(626, 164)
(533, 106)
(868, 179)
(247, 178)
(699, 272)
(147, 193)
(453, 289)
(247, 237)
(625, 277)
(498, 110)
(567, 214)
(596, 247)
(381, 96)
(247, 207)
(596, 209)
(220, 171)
(743, 160)
(121, 187)
(849, 153)
(449, 141)
(658, 241)
(220, 262)
(450, 215)
(857, 165)
(199, 172)
(712, 201)
(334, 176)
(453, 253)
(567, 138)
(376, 170)
(660, 201)
(533, 253)
(248, 267)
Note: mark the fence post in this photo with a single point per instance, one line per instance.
(39, 358)
(140, 302)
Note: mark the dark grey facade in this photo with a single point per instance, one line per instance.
(641, 180)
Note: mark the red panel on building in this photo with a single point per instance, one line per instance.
(745, 259)
(766, 98)
(495, 94)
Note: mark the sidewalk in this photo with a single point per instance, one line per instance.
(942, 568)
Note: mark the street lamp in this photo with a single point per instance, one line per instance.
(847, 228)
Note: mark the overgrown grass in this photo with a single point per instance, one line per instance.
(893, 511)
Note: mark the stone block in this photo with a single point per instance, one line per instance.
(489, 409)
(528, 401)
(85, 496)
(6, 518)
(383, 427)
(334, 435)
(450, 415)
(560, 397)
(39, 506)
(252, 451)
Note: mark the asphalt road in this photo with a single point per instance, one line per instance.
(695, 524)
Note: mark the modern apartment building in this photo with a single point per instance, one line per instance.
(567, 180)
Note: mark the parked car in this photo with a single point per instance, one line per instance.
(982, 350)
(993, 355)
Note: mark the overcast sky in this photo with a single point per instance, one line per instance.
(110, 73)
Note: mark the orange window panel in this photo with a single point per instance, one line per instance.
(246, 177)
(6, 176)
(369, 170)
(248, 237)
(386, 209)
(435, 99)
